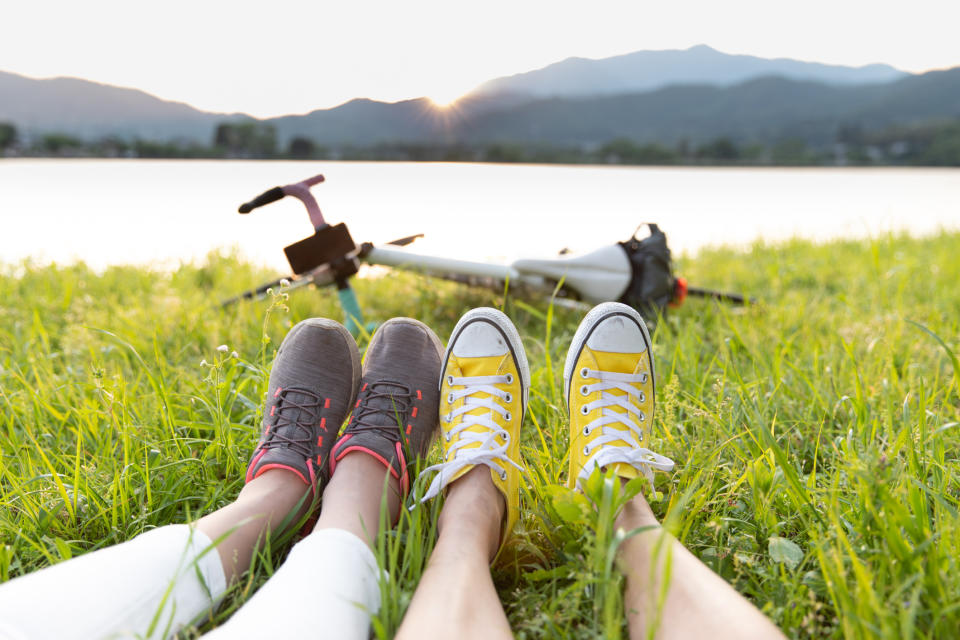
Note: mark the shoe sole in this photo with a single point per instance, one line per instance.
(597, 315)
(505, 326)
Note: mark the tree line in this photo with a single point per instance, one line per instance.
(925, 144)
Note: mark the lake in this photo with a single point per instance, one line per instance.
(107, 212)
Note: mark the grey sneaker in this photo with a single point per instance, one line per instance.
(313, 384)
(395, 417)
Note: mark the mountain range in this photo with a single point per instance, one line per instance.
(648, 70)
(649, 96)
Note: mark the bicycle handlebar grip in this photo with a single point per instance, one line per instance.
(271, 195)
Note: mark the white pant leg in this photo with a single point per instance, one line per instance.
(118, 592)
(327, 588)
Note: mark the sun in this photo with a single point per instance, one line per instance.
(444, 100)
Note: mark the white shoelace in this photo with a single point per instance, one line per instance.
(635, 455)
(490, 452)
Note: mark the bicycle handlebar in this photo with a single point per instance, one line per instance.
(268, 196)
(299, 190)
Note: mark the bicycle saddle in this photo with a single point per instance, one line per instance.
(597, 276)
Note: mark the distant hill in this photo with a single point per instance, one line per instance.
(365, 122)
(649, 70)
(91, 110)
(763, 109)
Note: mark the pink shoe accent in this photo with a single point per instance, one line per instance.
(267, 467)
(405, 479)
(253, 464)
(369, 453)
(319, 441)
(333, 452)
(326, 403)
(277, 392)
(323, 423)
(413, 415)
(272, 409)
(419, 395)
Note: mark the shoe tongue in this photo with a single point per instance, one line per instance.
(386, 403)
(617, 362)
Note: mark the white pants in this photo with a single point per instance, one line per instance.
(161, 580)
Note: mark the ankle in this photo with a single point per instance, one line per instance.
(635, 514)
(354, 496)
(282, 490)
(474, 509)
(361, 466)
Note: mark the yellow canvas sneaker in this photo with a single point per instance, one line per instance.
(483, 397)
(609, 383)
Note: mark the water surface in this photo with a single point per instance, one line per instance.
(160, 212)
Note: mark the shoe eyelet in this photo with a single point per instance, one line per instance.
(505, 435)
(508, 417)
(450, 380)
(586, 451)
(584, 391)
(448, 417)
(643, 397)
(584, 372)
(644, 377)
(509, 378)
(586, 431)
(503, 476)
(643, 416)
(584, 410)
(509, 398)
(450, 399)
(446, 437)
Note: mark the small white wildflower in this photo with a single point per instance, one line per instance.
(223, 348)
(284, 283)
(234, 354)
(203, 363)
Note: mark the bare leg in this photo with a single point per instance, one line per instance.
(261, 506)
(352, 500)
(697, 602)
(456, 596)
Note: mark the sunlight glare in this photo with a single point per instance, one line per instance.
(444, 101)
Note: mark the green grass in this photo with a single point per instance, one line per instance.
(815, 434)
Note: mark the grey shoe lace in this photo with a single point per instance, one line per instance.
(300, 416)
(384, 408)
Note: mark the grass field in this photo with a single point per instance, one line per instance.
(815, 435)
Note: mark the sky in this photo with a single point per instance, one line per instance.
(288, 56)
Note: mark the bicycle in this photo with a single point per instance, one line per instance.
(637, 272)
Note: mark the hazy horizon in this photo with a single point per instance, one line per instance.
(230, 57)
(281, 114)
